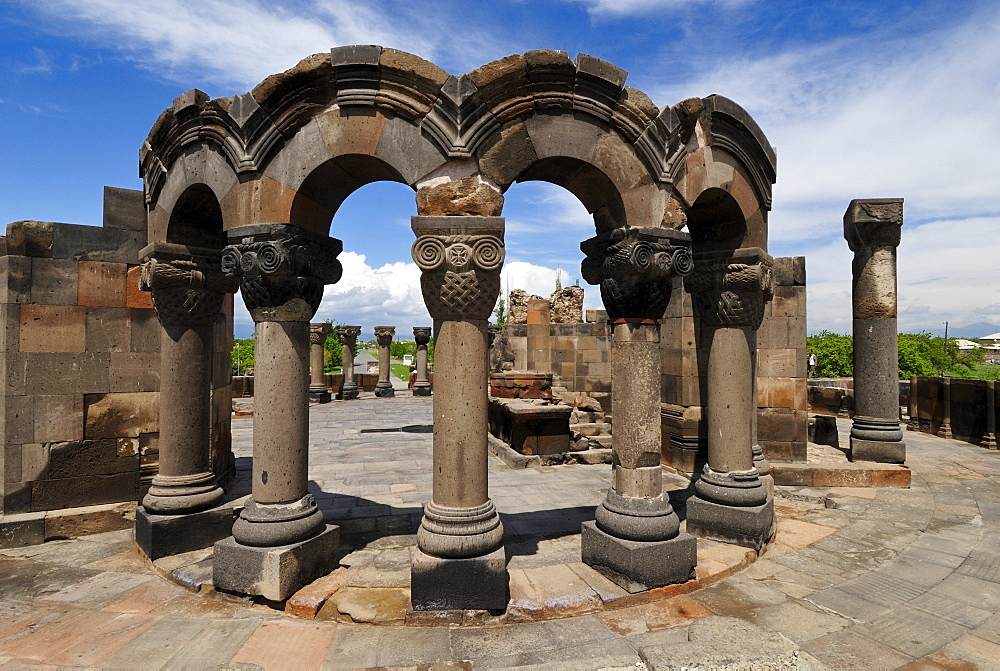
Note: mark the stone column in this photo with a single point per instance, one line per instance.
(635, 538)
(872, 229)
(280, 541)
(348, 338)
(422, 385)
(914, 411)
(188, 288)
(317, 340)
(459, 563)
(944, 431)
(731, 503)
(989, 436)
(384, 335)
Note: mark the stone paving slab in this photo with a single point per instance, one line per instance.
(854, 580)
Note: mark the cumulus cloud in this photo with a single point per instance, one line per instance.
(238, 44)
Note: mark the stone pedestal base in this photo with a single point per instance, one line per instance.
(164, 535)
(274, 572)
(477, 583)
(348, 393)
(881, 451)
(637, 566)
(750, 526)
(421, 391)
(386, 391)
(319, 395)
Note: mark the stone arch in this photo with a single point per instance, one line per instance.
(196, 219)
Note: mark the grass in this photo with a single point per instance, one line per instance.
(401, 371)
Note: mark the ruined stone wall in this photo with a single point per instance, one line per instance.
(782, 404)
(79, 360)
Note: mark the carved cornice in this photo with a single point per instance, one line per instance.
(635, 268)
(318, 333)
(422, 335)
(461, 259)
(348, 334)
(282, 269)
(187, 283)
(384, 335)
(873, 222)
(730, 288)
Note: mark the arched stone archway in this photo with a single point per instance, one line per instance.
(280, 159)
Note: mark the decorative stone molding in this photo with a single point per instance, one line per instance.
(348, 334)
(461, 259)
(729, 290)
(422, 335)
(187, 283)
(634, 267)
(384, 335)
(282, 269)
(319, 332)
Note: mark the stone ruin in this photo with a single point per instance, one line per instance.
(239, 195)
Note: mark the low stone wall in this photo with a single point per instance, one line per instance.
(80, 357)
(531, 426)
(967, 409)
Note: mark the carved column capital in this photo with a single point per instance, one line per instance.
(384, 335)
(348, 334)
(187, 283)
(730, 288)
(422, 335)
(460, 259)
(318, 333)
(873, 222)
(634, 267)
(282, 269)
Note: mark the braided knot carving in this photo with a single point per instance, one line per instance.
(282, 269)
(730, 289)
(634, 267)
(187, 284)
(461, 259)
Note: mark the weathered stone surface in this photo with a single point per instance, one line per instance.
(469, 196)
(124, 208)
(636, 566)
(66, 373)
(274, 572)
(108, 330)
(521, 385)
(121, 414)
(134, 297)
(102, 284)
(30, 238)
(53, 328)
(115, 245)
(15, 279)
(58, 418)
(54, 281)
(517, 305)
(89, 457)
(566, 306)
(83, 491)
(308, 601)
(134, 371)
(165, 535)
(749, 526)
(477, 583)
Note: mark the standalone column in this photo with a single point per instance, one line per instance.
(384, 335)
(348, 338)
(872, 229)
(944, 431)
(635, 538)
(188, 288)
(914, 410)
(459, 563)
(317, 340)
(731, 503)
(280, 541)
(422, 385)
(989, 435)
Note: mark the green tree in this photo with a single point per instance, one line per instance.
(333, 350)
(397, 348)
(500, 312)
(242, 355)
(834, 354)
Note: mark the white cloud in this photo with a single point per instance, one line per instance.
(631, 7)
(42, 64)
(238, 44)
(541, 281)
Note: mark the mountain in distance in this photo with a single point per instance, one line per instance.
(977, 330)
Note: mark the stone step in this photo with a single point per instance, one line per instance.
(593, 456)
(591, 429)
(584, 417)
(857, 474)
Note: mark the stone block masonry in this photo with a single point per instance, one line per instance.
(80, 364)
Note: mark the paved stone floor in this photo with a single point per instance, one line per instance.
(858, 578)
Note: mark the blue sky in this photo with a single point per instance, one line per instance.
(861, 99)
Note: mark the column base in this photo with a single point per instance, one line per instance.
(750, 526)
(384, 390)
(945, 432)
(319, 394)
(421, 390)
(164, 535)
(274, 573)
(637, 566)
(183, 494)
(881, 451)
(347, 393)
(474, 583)
(989, 441)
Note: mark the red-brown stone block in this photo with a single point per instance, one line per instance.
(53, 328)
(102, 284)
